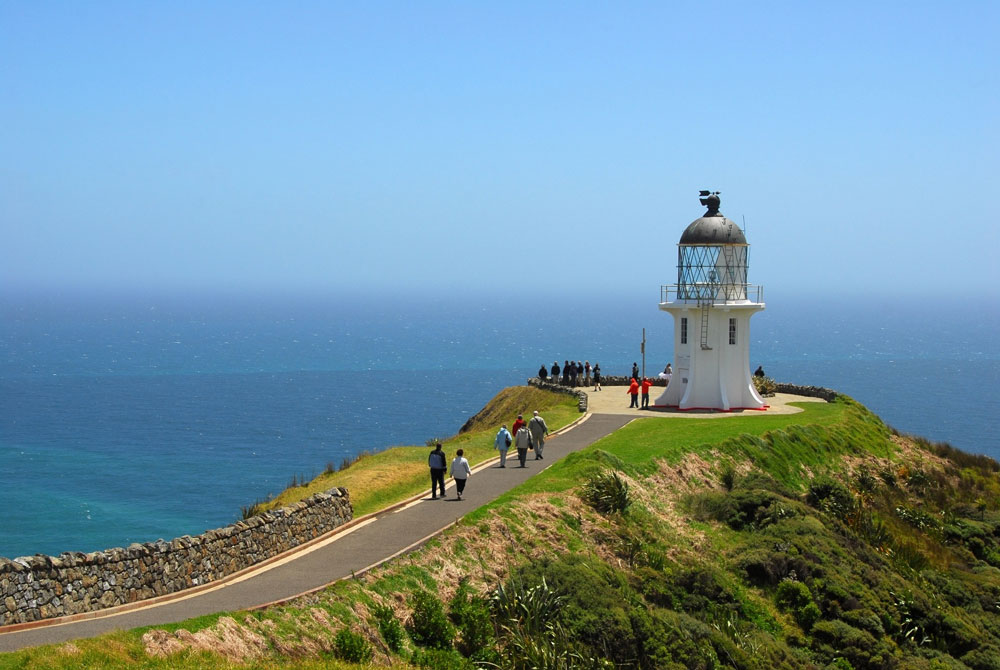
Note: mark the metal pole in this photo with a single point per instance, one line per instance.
(643, 350)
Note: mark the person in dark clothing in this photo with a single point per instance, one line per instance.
(565, 373)
(572, 373)
(554, 372)
(438, 466)
(543, 373)
(759, 372)
(597, 376)
(635, 371)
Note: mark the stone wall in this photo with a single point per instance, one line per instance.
(41, 587)
(559, 388)
(808, 391)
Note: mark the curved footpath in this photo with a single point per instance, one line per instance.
(348, 551)
(352, 549)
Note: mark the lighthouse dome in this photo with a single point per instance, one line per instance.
(713, 230)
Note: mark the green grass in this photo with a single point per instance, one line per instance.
(780, 444)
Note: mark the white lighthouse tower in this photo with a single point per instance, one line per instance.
(711, 304)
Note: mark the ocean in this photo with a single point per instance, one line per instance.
(131, 419)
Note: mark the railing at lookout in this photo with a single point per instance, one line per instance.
(715, 292)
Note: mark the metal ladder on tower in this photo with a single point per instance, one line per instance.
(705, 306)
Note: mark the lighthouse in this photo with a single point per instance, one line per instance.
(711, 304)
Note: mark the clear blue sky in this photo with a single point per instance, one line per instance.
(502, 146)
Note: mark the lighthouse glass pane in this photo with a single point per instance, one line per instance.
(684, 330)
(712, 272)
(732, 331)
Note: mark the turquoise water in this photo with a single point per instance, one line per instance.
(130, 420)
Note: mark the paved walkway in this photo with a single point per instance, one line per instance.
(364, 543)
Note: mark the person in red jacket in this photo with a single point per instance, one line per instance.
(646, 383)
(517, 424)
(633, 390)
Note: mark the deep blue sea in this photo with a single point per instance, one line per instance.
(131, 419)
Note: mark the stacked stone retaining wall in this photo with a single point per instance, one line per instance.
(40, 587)
(808, 391)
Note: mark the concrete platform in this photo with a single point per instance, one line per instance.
(615, 400)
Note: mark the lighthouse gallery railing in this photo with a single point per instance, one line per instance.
(702, 292)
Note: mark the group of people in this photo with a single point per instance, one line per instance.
(523, 436)
(572, 374)
(634, 386)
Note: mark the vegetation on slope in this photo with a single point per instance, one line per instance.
(817, 540)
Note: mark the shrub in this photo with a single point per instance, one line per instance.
(747, 510)
(792, 595)
(835, 639)
(441, 659)
(865, 480)
(389, 627)
(471, 615)
(607, 493)
(987, 658)
(429, 627)
(352, 647)
(728, 476)
(830, 496)
(531, 607)
(594, 612)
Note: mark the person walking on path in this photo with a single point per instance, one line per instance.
(522, 440)
(438, 466)
(646, 383)
(633, 390)
(517, 424)
(502, 444)
(597, 376)
(538, 431)
(461, 471)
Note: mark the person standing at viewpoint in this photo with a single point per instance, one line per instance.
(502, 444)
(461, 471)
(522, 440)
(646, 383)
(597, 376)
(633, 390)
(538, 431)
(438, 466)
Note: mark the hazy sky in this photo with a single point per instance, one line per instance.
(503, 146)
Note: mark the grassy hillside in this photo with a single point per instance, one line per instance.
(814, 540)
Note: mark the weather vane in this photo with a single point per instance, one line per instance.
(711, 200)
